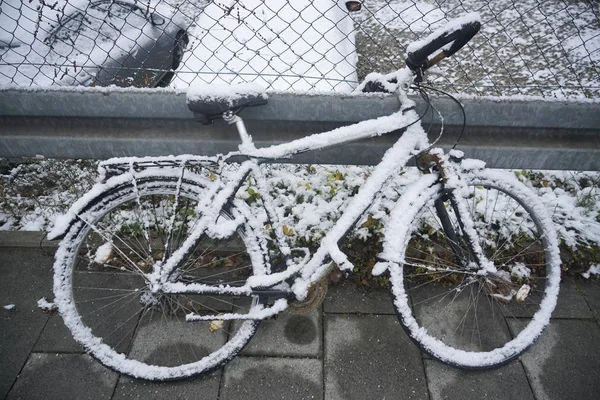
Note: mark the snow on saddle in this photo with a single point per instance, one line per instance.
(208, 102)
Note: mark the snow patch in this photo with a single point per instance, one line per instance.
(593, 270)
(46, 305)
(520, 270)
(103, 253)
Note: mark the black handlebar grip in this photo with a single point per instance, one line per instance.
(459, 31)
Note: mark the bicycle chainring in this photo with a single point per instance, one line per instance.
(316, 295)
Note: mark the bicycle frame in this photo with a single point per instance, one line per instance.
(431, 237)
(413, 141)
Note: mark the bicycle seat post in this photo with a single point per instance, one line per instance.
(231, 118)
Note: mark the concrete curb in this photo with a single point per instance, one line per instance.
(33, 239)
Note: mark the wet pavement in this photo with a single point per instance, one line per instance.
(351, 347)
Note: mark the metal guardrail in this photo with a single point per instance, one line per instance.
(103, 123)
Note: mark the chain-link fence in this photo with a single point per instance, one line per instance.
(532, 47)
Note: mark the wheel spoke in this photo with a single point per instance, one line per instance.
(461, 307)
(146, 222)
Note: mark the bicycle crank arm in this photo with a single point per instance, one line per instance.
(260, 312)
(201, 288)
(283, 294)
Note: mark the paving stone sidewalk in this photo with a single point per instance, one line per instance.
(353, 347)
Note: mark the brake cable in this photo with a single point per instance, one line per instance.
(462, 109)
(427, 100)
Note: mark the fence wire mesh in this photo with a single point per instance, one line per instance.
(528, 47)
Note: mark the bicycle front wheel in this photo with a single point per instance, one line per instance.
(451, 310)
(101, 281)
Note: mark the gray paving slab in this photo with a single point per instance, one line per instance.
(174, 341)
(453, 318)
(56, 338)
(288, 335)
(571, 301)
(26, 276)
(51, 376)
(273, 378)
(370, 357)
(347, 298)
(107, 303)
(590, 290)
(565, 361)
(365, 356)
(507, 382)
(205, 388)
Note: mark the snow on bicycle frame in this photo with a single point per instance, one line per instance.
(211, 102)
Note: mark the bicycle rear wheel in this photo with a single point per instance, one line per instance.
(102, 291)
(464, 318)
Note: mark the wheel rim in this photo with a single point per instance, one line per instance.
(107, 305)
(454, 308)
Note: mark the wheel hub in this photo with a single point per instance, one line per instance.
(151, 299)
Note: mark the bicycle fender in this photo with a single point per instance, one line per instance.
(397, 231)
(63, 223)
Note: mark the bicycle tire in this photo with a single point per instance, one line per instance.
(450, 312)
(101, 294)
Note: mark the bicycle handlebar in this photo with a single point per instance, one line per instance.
(458, 31)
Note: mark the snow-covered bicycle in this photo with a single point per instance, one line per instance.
(165, 270)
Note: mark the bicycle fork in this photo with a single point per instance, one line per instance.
(463, 241)
(451, 233)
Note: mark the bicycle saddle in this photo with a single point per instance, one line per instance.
(208, 102)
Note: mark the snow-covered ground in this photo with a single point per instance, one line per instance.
(545, 48)
(25, 58)
(309, 198)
